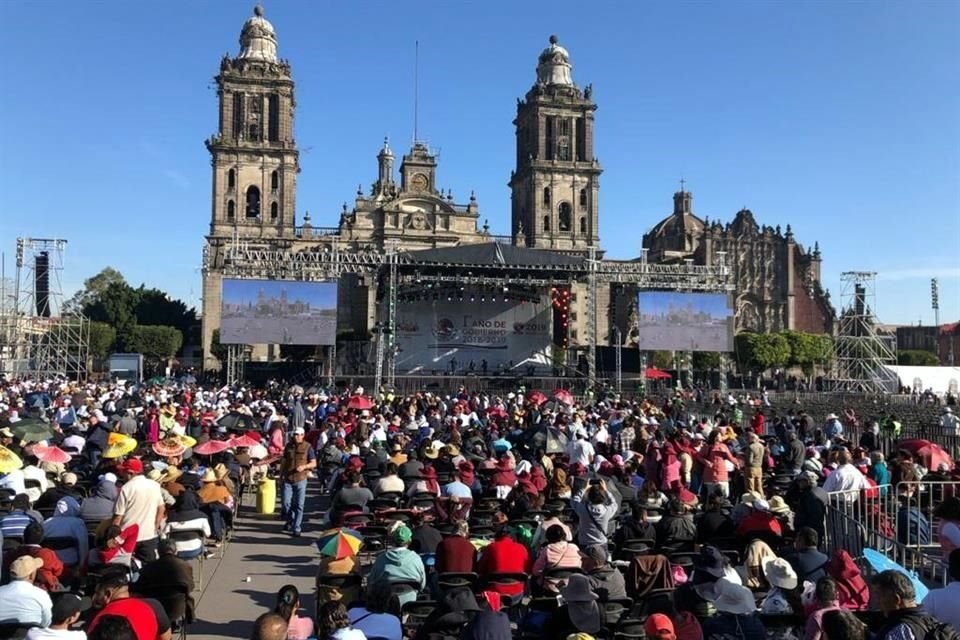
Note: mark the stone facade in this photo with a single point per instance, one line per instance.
(554, 190)
(777, 280)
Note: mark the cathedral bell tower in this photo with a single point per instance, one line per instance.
(254, 156)
(555, 186)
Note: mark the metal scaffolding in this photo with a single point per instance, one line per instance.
(860, 350)
(396, 269)
(37, 339)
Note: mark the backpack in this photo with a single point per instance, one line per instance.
(926, 627)
(852, 590)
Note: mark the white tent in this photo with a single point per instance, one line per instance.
(940, 379)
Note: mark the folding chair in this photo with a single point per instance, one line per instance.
(190, 535)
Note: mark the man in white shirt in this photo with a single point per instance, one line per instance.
(22, 602)
(65, 613)
(140, 502)
(580, 450)
(845, 477)
(942, 604)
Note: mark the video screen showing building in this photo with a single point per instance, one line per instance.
(673, 321)
(278, 312)
(465, 337)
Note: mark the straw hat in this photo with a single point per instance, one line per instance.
(209, 476)
(170, 474)
(778, 505)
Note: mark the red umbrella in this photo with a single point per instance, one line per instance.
(564, 396)
(360, 403)
(496, 412)
(652, 373)
(244, 441)
(537, 397)
(54, 455)
(931, 455)
(211, 447)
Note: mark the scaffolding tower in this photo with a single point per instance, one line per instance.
(38, 338)
(861, 351)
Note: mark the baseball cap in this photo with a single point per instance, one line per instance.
(67, 605)
(659, 626)
(402, 534)
(133, 465)
(299, 431)
(68, 479)
(23, 566)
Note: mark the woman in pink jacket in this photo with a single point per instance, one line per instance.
(557, 553)
(715, 456)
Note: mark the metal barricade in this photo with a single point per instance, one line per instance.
(858, 519)
(917, 525)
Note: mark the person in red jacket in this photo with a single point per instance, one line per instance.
(48, 576)
(760, 522)
(504, 555)
(758, 422)
(456, 554)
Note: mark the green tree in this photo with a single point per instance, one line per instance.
(706, 360)
(154, 307)
(115, 306)
(917, 358)
(93, 288)
(217, 349)
(661, 360)
(102, 338)
(757, 352)
(156, 342)
(808, 350)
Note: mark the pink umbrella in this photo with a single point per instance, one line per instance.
(537, 397)
(497, 412)
(360, 403)
(244, 441)
(211, 447)
(54, 455)
(564, 396)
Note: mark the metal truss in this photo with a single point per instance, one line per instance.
(860, 351)
(37, 339)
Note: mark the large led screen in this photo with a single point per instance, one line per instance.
(673, 321)
(473, 337)
(278, 312)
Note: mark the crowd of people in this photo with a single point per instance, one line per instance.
(477, 516)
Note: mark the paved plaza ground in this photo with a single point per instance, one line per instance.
(228, 605)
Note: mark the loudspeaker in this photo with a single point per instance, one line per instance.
(41, 284)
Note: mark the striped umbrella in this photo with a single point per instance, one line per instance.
(339, 543)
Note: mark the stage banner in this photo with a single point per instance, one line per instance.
(674, 321)
(479, 337)
(278, 312)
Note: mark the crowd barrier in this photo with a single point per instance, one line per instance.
(898, 521)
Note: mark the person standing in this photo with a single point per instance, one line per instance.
(299, 459)
(756, 453)
(140, 502)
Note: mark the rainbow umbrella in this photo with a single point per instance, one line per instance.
(339, 543)
(9, 461)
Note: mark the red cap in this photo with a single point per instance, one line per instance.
(659, 626)
(133, 465)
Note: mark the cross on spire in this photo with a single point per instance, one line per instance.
(683, 185)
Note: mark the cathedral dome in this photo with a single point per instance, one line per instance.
(258, 39)
(553, 65)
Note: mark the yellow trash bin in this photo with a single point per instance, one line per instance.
(267, 496)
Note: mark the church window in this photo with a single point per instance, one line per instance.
(563, 139)
(274, 180)
(546, 196)
(273, 118)
(231, 210)
(274, 210)
(581, 140)
(564, 221)
(583, 225)
(231, 179)
(253, 202)
(550, 137)
(583, 197)
(546, 223)
(238, 101)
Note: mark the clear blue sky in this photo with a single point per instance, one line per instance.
(842, 118)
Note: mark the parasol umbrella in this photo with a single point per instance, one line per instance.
(235, 421)
(931, 455)
(360, 403)
(119, 447)
(32, 430)
(243, 441)
(53, 455)
(339, 543)
(564, 396)
(496, 412)
(652, 373)
(537, 397)
(9, 461)
(212, 447)
(169, 448)
(880, 562)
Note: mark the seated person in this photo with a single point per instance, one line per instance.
(557, 553)
(99, 505)
(187, 516)
(676, 528)
(390, 482)
(20, 601)
(456, 554)
(217, 502)
(605, 580)
(504, 555)
(351, 497)
(400, 564)
(115, 546)
(379, 617)
(48, 575)
(165, 572)
(760, 522)
(21, 515)
(66, 523)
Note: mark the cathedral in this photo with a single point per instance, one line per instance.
(555, 212)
